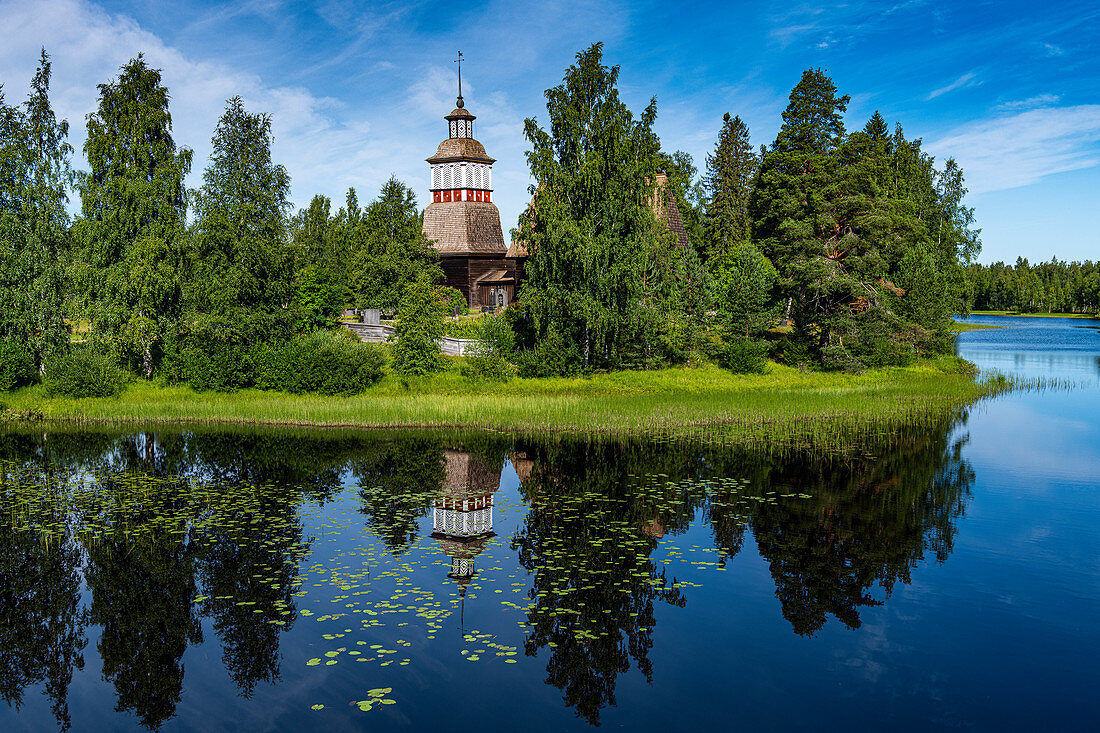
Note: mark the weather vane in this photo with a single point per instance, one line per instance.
(459, 62)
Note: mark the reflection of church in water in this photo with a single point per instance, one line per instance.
(463, 511)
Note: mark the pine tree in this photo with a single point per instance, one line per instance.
(133, 192)
(795, 224)
(239, 283)
(731, 173)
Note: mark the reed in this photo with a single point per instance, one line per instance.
(784, 405)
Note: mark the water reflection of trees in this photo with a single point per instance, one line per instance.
(597, 513)
(42, 624)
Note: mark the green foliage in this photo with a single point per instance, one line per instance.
(490, 358)
(84, 372)
(318, 299)
(134, 193)
(1047, 287)
(389, 250)
(327, 362)
(744, 283)
(209, 363)
(744, 356)
(590, 229)
(16, 366)
(239, 267)
(551, 356)
(418, 328)
(34, 225)
(731, 174)
(454, 301)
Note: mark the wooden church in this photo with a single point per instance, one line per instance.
(462, 221)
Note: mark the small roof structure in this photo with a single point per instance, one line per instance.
(497, 277)
(665, 208)
(455, 149)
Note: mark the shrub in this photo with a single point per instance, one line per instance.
(550, 357)
(16, 366)
(497, 332)
(490, 357)
(85, 372)
(329, 362)
(418, 328)
(454, 302)
(208, 364)
(744, 356)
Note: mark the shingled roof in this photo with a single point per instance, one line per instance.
(665, 208)
(464, 227)
(461, 148)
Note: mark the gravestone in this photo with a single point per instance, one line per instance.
(372, 316)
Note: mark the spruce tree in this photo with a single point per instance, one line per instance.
(731, 173)
(389, 251)
(134, 191)
(240, 268)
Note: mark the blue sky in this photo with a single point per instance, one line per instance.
(358, 90)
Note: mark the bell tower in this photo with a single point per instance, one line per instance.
(462, 221)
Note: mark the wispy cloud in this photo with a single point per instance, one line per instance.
(1025, 147)
(1053, 50)
(965, 80)
(1042, 100)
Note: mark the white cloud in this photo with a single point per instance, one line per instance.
(1052, 50)
(964, 80)
(1022, 148)
(1042, 100)
(322, 151)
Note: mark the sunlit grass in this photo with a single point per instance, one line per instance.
(783, 405)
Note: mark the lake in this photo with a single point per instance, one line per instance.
(236, 579)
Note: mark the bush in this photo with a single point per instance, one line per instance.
(744, 356)
(550, 357)
(85, 372)
(16, 366)
(208, 364)
(418, 328)
(490, 357)
(329, 362)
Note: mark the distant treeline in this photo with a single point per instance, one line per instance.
(1048, 287)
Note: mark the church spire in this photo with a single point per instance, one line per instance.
(458, 61)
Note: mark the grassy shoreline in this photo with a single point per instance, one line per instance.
(1013, 314)
(784, 405)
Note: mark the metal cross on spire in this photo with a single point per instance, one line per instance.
(459, 62)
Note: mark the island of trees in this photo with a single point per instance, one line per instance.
(828, 249)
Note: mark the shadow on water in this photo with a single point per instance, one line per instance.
(140, 541)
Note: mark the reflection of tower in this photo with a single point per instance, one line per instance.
(463, 512)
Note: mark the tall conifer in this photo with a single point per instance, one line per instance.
(731, 173)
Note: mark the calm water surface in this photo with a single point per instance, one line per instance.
(201, 580)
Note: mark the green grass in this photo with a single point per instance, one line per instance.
(785, 405)
(960, 326)
(1015, 314)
